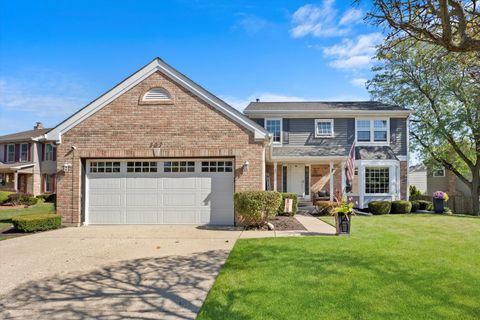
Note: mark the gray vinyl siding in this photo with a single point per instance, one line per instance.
(302, 133)
(398, 136)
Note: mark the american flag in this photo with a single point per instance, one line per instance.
(351, 165)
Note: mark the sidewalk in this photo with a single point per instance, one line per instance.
(314, 226)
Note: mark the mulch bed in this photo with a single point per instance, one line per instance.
(286, 223)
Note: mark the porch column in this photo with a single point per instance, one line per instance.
(274, 176)
(15, 181)
(331, 180)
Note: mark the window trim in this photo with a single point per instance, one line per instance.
(20, 153)
(281, 129)
(372, 131)
(8, 152)
(47, 158)
(45, 183)
(438, 169)
(332, 131)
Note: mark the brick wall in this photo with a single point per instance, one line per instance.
(403, 179)
(127, 129)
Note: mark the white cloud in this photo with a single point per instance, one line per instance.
(359, 82)
(351, 16)
(240, 103)
(323, 21)
(250, 23)
(42, 93)
(354, 54)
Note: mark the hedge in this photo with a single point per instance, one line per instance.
(379, 207)
(48, 197)
(425, 205)
(37, 222)
(22, 199)
(256, 207)
(415, 205)
(401, 206)
(288, 195)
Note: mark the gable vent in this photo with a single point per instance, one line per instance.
(157, 94)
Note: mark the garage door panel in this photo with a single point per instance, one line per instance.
(181, 215)
(157, 197)
(105, 199)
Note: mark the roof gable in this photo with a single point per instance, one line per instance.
(156, 65)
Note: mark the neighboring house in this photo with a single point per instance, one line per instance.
(417, 175)
(311, 142)
(158, 148)
(27, 165)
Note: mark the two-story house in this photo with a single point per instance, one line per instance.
(312, 140)
(27, 165)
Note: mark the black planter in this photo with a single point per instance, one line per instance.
(438, 205)
(343, 223)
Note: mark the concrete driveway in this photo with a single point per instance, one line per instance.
(111, 272)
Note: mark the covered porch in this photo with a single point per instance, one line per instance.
(17, 177)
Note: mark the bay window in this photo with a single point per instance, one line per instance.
(377, 180)
(274, 126)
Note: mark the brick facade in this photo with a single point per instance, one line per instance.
(403, 179)
(127, 128)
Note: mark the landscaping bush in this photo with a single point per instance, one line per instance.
(401, 206)
(22, 199)
(48, 197)
(414, 192)
(415, 205)
(379, 207)
(325, 208)
(425, 205)
(288, 195)
(4, 196)
(37, 222)
(256, 207)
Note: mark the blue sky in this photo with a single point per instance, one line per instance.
(56, 56)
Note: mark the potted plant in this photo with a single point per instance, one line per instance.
(439, 198)
(343, 216)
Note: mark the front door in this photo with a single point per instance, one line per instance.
(296, 179)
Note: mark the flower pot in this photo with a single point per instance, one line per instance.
(438, 205)
(343, 223)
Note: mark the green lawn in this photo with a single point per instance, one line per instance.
(7, 214)
(392, 267)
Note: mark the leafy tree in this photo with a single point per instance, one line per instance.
(443, 90)
(452, 24)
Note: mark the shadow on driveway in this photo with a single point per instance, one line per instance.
(171, 287)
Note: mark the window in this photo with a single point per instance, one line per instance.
(49, 152)
(141, 166)
(24, 152)
(179, 166)
(377, 180)
(156, 95)
(323, 128)
(104, 167)
(372, 130)
(217, 166)
(307, 180)
(284, 178)
(274, 126)
(438, 172)
(49, 183)
(10, 153)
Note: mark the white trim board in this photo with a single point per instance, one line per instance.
(156, 65)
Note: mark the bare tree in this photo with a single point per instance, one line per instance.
(452, 24)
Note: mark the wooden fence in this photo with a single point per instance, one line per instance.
(458, 204)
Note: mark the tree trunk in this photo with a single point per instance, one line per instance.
(475, 192)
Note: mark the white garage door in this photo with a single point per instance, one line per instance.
(159, 192)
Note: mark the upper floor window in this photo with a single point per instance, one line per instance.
(438, 172)
(375, 130)
(24, 152)
(323, 128)
(156, 95)
(10, 153)
(49, 152)
(274, 126)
